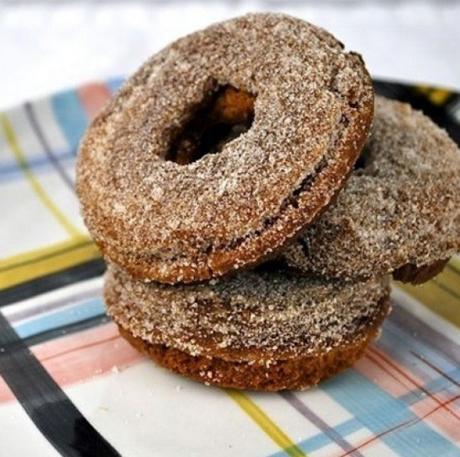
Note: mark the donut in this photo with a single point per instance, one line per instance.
(222, 147)
(400, 210)
(265, 329)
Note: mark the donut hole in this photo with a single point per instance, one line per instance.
(223, 116)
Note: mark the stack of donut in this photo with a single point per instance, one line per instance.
(252, 198)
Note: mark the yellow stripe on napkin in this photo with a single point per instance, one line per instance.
(442, 294)
(265, 423)
(40, 192)
(44, 261)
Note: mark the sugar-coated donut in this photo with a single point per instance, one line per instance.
(222, 147)
(399, 211)
(263, 329)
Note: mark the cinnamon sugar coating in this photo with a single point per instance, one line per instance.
(256, 316)
(169, 222)
(399, 211)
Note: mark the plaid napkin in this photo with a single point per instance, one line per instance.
(69, 385)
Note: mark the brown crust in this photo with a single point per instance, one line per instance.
(241, 227)
(296, 373)
(414, 274)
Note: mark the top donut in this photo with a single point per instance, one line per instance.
(222, 147)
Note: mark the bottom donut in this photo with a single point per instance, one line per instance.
(269, 330)
(291, 374)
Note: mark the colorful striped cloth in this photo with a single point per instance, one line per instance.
(69, 385)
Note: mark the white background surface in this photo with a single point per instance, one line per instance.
(46, 46)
